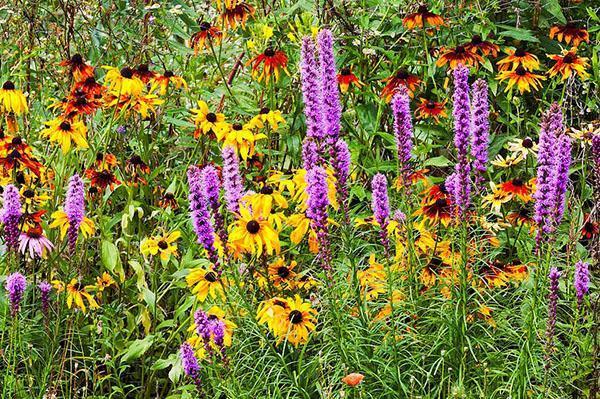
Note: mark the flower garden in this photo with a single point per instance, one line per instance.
(299, 199)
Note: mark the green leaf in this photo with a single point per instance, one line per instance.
(553, 7)
(518, 33)
(137, 348)
(111, 259)
(440, 161)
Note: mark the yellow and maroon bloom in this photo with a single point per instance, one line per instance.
(267, 64)
(437, 211)
(144, 73)
(431, 109)
(485, 48)
(161, 82)
(168, 200)
(522, 78)
(205, 36)
(568, 63)
(458, 56)
(345, 78)
(523, 215)
(102, 178)
(421, 18)
(78, 68)
(570, 34)
(235, 12)
(15, 154)
(135, 166)
(590, 229)
(78, 103)
(517, 187)
(89, 87)
(402, 77)
(518, 58)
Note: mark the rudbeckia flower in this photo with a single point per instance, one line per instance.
(207, 35)
(458, 56)
(61, 221)
(518, 58)
(123, 81)
(253, 232)
(241, 137)
(90, 87)
(431, 109)
(161, 82)
(267, 64)
(402, 77)
(66, 131)
(508, 161)
(438, 211)
(144, 105)
(496, 198)
(164, 245)
(589, 229)
(485, 48)
(15, 154)
(207, 121)
(421, 18)
(570, 33)
(523, 147)
(144, 73)
(235, 12)
(297, 322)
(282, 273)
(267, 116)
(204, 282)
(567, 64)
(78, 68)
(346, 78)
(273, 312)
(517, 187)
(372, 280)
(12, 100)
(76, 292)
(522, 78)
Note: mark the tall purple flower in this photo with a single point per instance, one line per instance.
(311, 93)
(316, 180)
(341, 167)
(403, 131)
(581, 281)
(552, 302)
(561, 178)
(232, 181)
(462, 126)
(45, 289)
(380, 204)
(330, 94)
(191, 368)
(75, 209)
(210, 329)
(15, 285)
(480, 128)
(310, 154)
(200, 215)
(11, 215)
(212, 187)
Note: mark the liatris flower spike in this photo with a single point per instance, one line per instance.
(480, 128)
(75, 209)
(11, 215)
(232, 181)
(316, 179)
(45, 289)
(330, 93)
(191, 368)
(380, 205)
(581, 281)
(462, 126)
(200, 215)
(403, 131)
(15, 285)
(552, 303)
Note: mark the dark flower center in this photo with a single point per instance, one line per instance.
(237, 126)
(162, 244)
(269, 52)
(459, 50)
(8, 85)
(430, 105)
(266, 190)
(135, 160)
(264, 111)
(77, 59)
(423, 9)
(476, 39)
(520, 52)
(346, 71)
(295, 317)
(283, 272)
(440, 203)
(435, 263)
(127, 73)
(81, 101)
(66, 126)
(99, 156)
(568, 59)
(443, 188)
(589, 227)
(517, 182)
(402, 74)
(253, 227)
(90, 81)
(524, 212)
(211, 117)
(29, 193)
(169, 196)
(211, 277)
(17, 140)
(527, 142)
(169, 74)
(204, 26)
(521, 71)
(143, 68)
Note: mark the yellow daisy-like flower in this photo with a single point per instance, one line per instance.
(496, 198)
(61, 221)
(207, 121)
(241, 137)
(161, 82)
(267, 116)
(64, 132)
(205, 282)
(76, 293)
(123, 81)
(12, 99)
(282, 273)
(372, 280)
(253, 232)
(297, 321)
(523, 79)
(164, 245)
(569, 63)
(509, 161)
(272, 313)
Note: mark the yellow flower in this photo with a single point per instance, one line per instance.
(62, 222)
(241, 137)
(103, 282)
(77, 293)
(510, 160)
(267, 32)
(206, 282)
(273, 312)
(164, 245)
(12, 99)
(272, 117)
(253, 232)
(207, 121)
(281, 273)
(123, 82)
(296, 322)
(161, 82)
(64, 132)
(496, 198)
(372, 280)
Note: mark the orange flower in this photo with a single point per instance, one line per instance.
(517, 187)
(346, 78)
(438, 211)
(144, 73)
(517, 58)
(421, 18)
(78, 67)
(89, 87)
(203, 38)
(272, 62)
(79, 103)
(402, 77)
(522, 78)
(353, 379)
(484, 47)
(569, 63)
(457, 56)
(431, 109)
(570, 34)
(236, 12)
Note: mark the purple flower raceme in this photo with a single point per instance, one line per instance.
(191, 368)
(15, 285)
(561, 178)
(200, 215)
(210, 329)
(11, 215)
(403, 131)
(596, 154)
(45, 289)
(311, 90)
(581, 281)
(462, 126)
(212, 187)
(341, 166)
(232, 181)
(552, 303)
(480, 128)
(380, 204)
(75, 209)
(316, 180)
(310, 154)
(330, 93)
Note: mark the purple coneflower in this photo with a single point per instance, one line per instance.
(45, 289)
(330, 94)
(15, 285)
(316, 180)
(403, 131)
(200, 215)
(380, 204)
(35, 242)
(232, 181)
(75, 209)
(191, 368)
(552, 302)
(462, 125)
(480, 128)
(11, 215)
(581, 281)
(311, 94)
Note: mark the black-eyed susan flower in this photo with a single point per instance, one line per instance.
(483, 47)
(567, 64)
(517, 187)
(164, 245)
(431, 109)
(144, 105)
(102, 177)
(103, 282)
(16, 154)
(12, 100)
(254, 233)
(458, 56)
(90, 87)
(496, 198)
(76, 293)
(234, 13)
(61, 221)
(518, 58)
(372, 280)
(523, 215)
(241, 138)
(205, 282)
(66, 132)
(570, 33)
(346, 78)
(160, 83)
(421, 18)
(268, 64)
(207, 35)
(144, 73)
(298, 321)
(267, 116)
(507, 161)
(79, 103)
(208, 122)
(523, 79)
(523, 147)
(123, 81)
(272, 312)
(402, 77)
(78, 68)
(281, 273)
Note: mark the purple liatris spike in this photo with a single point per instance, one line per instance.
(561, 178)
(15, 286)
(330, 94)
(212, 187)
(480, 128)
(380, 204)
(11, 215)
(75, 209)
(191, 368)
(45, 289)
(462, 126)
(403, 131)
(341, 167)
(581, 281)
(310, 154)
(200, 215)
(552, 303)
(318, 200)
(232, 181)
(210, 329)
(311, 90)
